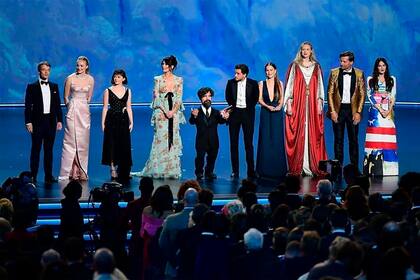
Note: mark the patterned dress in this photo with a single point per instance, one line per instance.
(381, 142)
(164, 160)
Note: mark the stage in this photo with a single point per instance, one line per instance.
(16, 142)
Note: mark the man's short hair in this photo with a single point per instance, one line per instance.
(243, 67)
(44, 62)
(253, 239)
(349, 54)
(191, 197)
(103, 261)
(324, 187)
(203, 91)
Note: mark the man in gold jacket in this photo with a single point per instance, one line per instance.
(346, 96)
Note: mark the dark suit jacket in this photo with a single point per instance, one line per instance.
(207, 136)
(251, 93)
(34, 107)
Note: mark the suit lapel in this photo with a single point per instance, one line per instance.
(39, 94)
(235, 90)
(247, 90)
(203, 116)
(340, 82)
(353, 82)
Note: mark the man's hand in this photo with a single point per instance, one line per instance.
(334, 117)
(59, 126)
(29, 128)
(356, 118)
(194, 112)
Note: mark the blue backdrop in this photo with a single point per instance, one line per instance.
(207, 37)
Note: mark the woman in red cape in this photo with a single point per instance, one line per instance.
(304, 122)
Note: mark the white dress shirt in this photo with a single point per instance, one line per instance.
(204, 110)
(46, 96)
(346, 87)
(241, 96)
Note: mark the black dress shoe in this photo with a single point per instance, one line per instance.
(234, 175)
(199, 176)
(50, 180)
(211, 176)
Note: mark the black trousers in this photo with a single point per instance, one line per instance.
(43, 134)
(210, 161)
(245, 119)
(345, 119)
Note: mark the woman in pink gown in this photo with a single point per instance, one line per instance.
(78, 90)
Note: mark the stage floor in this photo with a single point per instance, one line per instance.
(15, 150)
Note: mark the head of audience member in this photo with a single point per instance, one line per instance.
(232, 207)
(292, 183)
(162, 200)
(309, 244)
(185, 186)
(257, 218)
(275, 198)
(391, 236)
(6, 209)
(238, 226)
(321, 213)
(197, 214)
(394, 264)
(350, 254)
(339, 219)
(402, 197)
(356, 203)
(300, 215)
(253, 239)
(206, 196)
(169, 64)
(215, 223)
(280, 240)
(5, 227)
(45, 237)
(415, 197)
(249, 199)
(55, 270)
(241, 72)
(246, 186)
(325, 191)
(103, 261)
(308, 201)
(350, 174)
(146, 187)
(280, 216)
(190, 197)
(74, 250)
(295, 234)
(409, 181)
(292, 250)
(313, 225)
(376, 203)
(49, 256)
(364, 182)
(73, 190)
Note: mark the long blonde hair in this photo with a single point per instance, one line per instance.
(298, 59)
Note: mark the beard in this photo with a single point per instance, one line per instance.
(207, 104)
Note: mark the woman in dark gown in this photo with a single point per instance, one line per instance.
(271, 159)
(117, 123)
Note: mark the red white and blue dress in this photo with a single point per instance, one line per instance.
(381, 157)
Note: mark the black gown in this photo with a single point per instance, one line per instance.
(271, 158)
(117, 138)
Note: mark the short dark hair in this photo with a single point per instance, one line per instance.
(243, 67)
(170, 61)
(349, 54)
(146, 186)
(205, 196)
(44, 62)
(119, 72)
(203, 91)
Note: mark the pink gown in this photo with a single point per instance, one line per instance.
(75, 154)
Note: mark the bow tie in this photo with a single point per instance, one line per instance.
(44, 83)
(347, 73)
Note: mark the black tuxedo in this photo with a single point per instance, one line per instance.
(206, 139)
(244, 117)
(44, 125)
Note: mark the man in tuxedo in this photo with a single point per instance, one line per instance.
(206, 120)
(242, 95)
(43, 116)
(346, 96)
